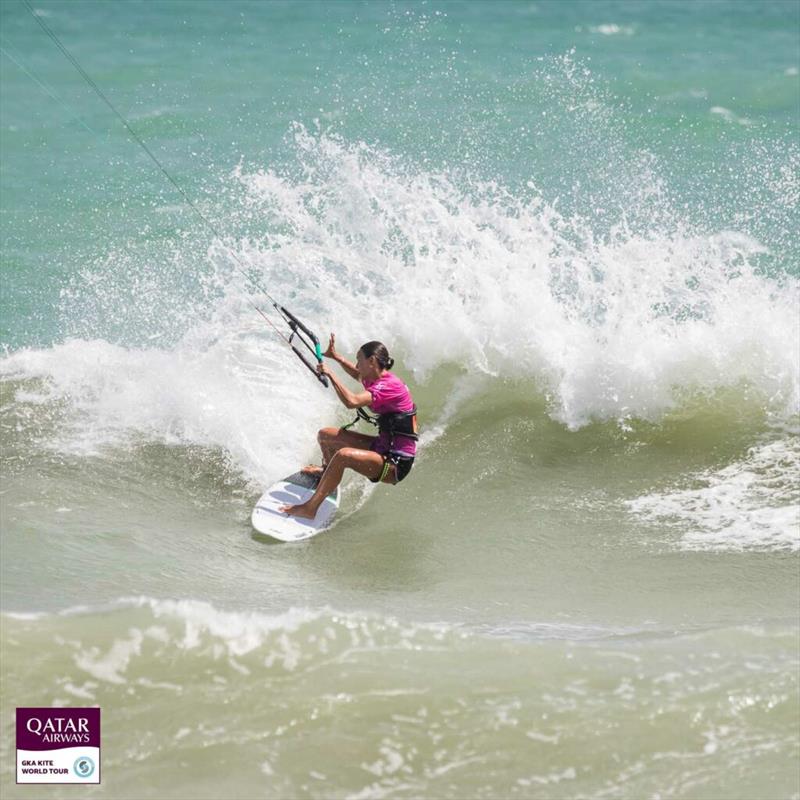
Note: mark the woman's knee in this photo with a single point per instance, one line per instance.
(326, 435)
(344, 454)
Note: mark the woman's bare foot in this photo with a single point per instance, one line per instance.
(301, 510)
(313, 470)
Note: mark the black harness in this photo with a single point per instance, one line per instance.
(402, 423)
(396, 423)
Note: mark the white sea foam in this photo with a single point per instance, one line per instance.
(242, 640)
(611, 326)
(505, 287)
(239, 394)
(729, 116)
(752, 504)
(612, 29)
(110, 666)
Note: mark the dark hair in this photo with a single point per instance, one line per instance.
(377, 349)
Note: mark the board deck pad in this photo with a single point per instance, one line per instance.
(292, 490)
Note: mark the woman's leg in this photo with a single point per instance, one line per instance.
(365, 462)
(333, 439)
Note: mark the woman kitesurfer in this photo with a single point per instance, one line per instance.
(387, 457)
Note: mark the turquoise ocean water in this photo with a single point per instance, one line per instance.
(574, 224)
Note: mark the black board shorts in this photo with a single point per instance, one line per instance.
(402, 466)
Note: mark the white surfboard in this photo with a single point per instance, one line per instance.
(295, 489)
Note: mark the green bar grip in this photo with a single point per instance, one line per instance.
(319, 351)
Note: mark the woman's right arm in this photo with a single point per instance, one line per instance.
(349, 368)
(350, 399)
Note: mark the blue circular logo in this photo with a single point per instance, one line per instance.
(83, 767)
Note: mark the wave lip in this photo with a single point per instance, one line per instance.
(612, 325)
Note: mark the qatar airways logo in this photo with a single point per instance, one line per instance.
(59, 729)
(58, 745)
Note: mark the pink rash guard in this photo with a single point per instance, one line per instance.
(389, 395)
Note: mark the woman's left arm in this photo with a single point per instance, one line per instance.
(350, 399)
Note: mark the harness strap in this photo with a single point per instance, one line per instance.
(385, 471)
(361, 415)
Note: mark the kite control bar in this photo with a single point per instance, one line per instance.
(298, 329)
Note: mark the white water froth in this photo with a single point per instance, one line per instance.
(752, 504)
(290, 640)
(612, 29)
(729, 116)
(612, 326)
(240, 395)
